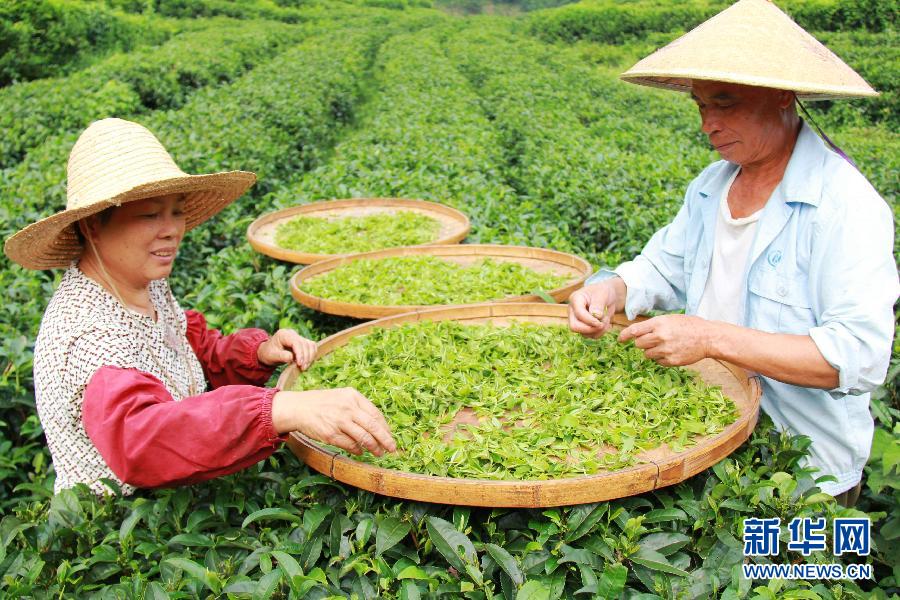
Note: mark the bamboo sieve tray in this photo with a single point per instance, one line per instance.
(454, 225)
(537, 259)
(657, 468)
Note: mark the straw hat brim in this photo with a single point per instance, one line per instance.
(679, 80)
(52, 242)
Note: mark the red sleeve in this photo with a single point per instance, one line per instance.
(227, 359)
(149, 440)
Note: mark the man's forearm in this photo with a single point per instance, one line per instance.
(793, 359)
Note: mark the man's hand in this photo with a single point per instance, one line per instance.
(592, 307)
(670, 340)
(287, 346)
(341, 417)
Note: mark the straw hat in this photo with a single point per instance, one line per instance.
(752, 43)
(116, 161)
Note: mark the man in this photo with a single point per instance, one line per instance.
(782, 253)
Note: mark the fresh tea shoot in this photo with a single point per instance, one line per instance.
(346, 235)
(423, 280)
(549, 403)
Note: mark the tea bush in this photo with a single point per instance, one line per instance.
(611, 21)
(43, 38)
(127, 85)
(423, 135)
(578, 144)
(513, 131)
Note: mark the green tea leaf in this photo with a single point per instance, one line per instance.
(288, 564)
(612, 582)
(655, 561)
(190, 567)
(280, 514)
(506, 562)
(665, 514)
(389, 533)
(449, 542)
(426, 280)
(533, 590)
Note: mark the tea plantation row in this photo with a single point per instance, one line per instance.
(540, 145)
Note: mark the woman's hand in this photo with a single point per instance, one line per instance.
(341, 417)
(287, 346)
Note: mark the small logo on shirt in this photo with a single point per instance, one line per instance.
(774, 257)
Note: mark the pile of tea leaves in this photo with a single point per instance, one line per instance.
(346, 235)
(546, 399)
(423, 280)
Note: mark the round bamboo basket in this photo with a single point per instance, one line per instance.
(656, 468)
(537, 259)
(261, 232)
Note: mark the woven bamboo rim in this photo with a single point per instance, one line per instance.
(455, 225)
(661, 467)
(541, 259)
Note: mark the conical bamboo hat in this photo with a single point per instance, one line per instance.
(751, 43)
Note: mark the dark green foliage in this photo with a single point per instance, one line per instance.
(472, 7)
(540, 145)
(615, 21)
(276, 526)
(843, 15)
(126, 85)
(876, 57)
(256, 9)
(43, 38)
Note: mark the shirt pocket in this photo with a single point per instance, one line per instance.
(780, 303)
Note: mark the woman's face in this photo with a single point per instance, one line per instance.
(139, 241)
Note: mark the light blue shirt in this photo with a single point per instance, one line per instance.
(821, 265)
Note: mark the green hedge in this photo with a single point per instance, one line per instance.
(424, 136)
(277, 529)
(239, 10)
(842, 15)
(580, 145)
(127, 85)
(509, 130)
(615, 21)
(44, 38)
(875, 56)
(609, 21)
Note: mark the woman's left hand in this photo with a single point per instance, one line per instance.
(287, 346)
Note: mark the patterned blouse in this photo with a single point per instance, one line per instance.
(84, 329)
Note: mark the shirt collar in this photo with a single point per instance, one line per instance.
(802, 181)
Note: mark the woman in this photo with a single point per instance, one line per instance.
(121, 371)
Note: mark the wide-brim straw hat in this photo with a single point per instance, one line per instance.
(113, 162)
(751, 43)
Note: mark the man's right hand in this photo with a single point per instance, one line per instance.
(341, 417)
(592, 307)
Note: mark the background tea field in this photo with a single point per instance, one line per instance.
(519, 121)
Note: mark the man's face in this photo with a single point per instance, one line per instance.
(745, 124)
